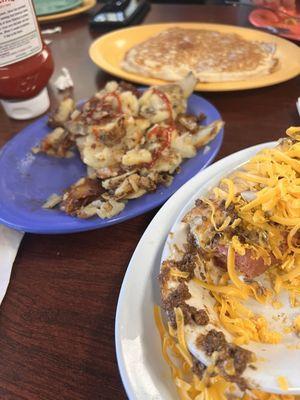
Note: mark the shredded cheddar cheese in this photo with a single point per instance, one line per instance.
(296, 324)
(237, 319)
(290, 237)
(294, 132)
(189, 386)
(282, 383)
(232, 272)
(268, 210)
(274, 213)
(179, 274)
(277, 304)
(243, 324)
(237, 246)
(273, 176)
(231, 191)
(180, 336)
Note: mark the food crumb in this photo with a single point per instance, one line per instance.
(206, 149)
(296, 325)
(201, 317)
(277, 304)
(253, 367)
(287, 329)
(282, 382)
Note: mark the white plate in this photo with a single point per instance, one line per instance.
(272, 361)
(144, 372)
(9, 244)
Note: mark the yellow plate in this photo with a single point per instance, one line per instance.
(108, 51)
(86, 5)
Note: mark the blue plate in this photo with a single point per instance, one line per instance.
(27, 180)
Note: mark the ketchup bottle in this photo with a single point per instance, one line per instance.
(26, 63)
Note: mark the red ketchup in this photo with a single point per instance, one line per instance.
(26, 63)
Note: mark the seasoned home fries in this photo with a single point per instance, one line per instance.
(131, 141)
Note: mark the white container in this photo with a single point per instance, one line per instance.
(29, 108)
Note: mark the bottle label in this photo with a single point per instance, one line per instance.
(19, 32)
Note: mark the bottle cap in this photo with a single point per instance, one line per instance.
(26, 109)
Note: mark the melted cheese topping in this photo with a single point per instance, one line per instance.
(189, 386)
(274, 209)
(274, 176)
(276, 206)
(176, 273)
(282, 383)
(237, 319)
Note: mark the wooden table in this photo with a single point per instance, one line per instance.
(57, 319)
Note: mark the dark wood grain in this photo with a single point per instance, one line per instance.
(57, 319)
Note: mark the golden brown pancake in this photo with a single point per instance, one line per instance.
(212, 56)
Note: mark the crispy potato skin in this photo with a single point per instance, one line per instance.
(131, 142)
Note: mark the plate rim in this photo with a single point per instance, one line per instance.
(75, 3)
(85, 6)
(179, 199)
(95, 56)
(114, 220)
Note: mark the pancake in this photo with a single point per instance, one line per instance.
(212, 56)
